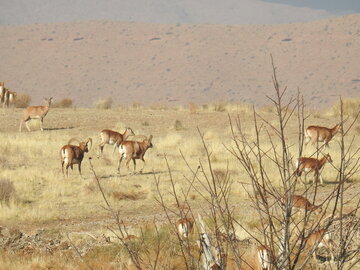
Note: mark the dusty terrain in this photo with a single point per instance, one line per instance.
(178, 64)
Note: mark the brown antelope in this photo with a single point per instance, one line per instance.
(113, 138)
(9, 98)
(131, 150)
(320, 134)
(318, 239)
(256, 259)
(73, 154)
(306, 164)
(36, 112)
(184, 226)
(302, 203)
(3, 91)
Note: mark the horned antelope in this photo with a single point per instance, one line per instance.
(307, 164)
(184, 226)
(320, 134)
(36, 112)
(73, 154)
(318, 239)
(131, 150)
(113, 138)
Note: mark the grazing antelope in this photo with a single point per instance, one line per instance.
(73, 154)
(306, 164)
(185, 227)
(320, 134)
(113, 138)
(131, 150)
(318, 239)
(302, 203)
(36, 112)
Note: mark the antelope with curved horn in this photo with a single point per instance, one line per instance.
(73, 154)
(318, 239)
(131, 150)
(320, 134)
(35, 112)
(113, 138)
(306, 164)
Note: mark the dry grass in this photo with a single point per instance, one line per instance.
(104, 103)
(46, 199)
(7, 191)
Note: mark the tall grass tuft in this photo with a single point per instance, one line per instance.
(7, 191)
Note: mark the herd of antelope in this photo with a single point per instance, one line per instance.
(71, 154)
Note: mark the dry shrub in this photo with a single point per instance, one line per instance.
(22, 100)
(145, 124)
(64, 103)
(193, 108)
(130, 195)
(220, 107)
(7, 191)
(178, 125)
(351, 107)
(104, 103)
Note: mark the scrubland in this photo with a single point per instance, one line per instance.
(44, 199)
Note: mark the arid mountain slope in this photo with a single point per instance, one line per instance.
(170, 64)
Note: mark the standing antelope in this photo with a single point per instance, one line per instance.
(184, 226)
(131, 150)
(73, 154)
(256, 259)
(318, 239)
(3, 91)
(113, 138)
(320, 134)
(36, 112)
(9, 98)
(306, 164)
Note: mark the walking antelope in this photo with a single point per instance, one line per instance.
(73, 154)
(306, 164)
(302, 203)
(185, 227)
(3, 91)
(113, 138)
(131, 150)
(35, 112)
(320, 134)
(318, 239)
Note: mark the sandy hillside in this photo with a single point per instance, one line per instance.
(172, 64)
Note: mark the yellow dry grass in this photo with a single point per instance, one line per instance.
(45, 199)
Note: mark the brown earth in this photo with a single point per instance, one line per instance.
(172, 64)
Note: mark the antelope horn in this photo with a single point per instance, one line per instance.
(75, 139)
(89, 140)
